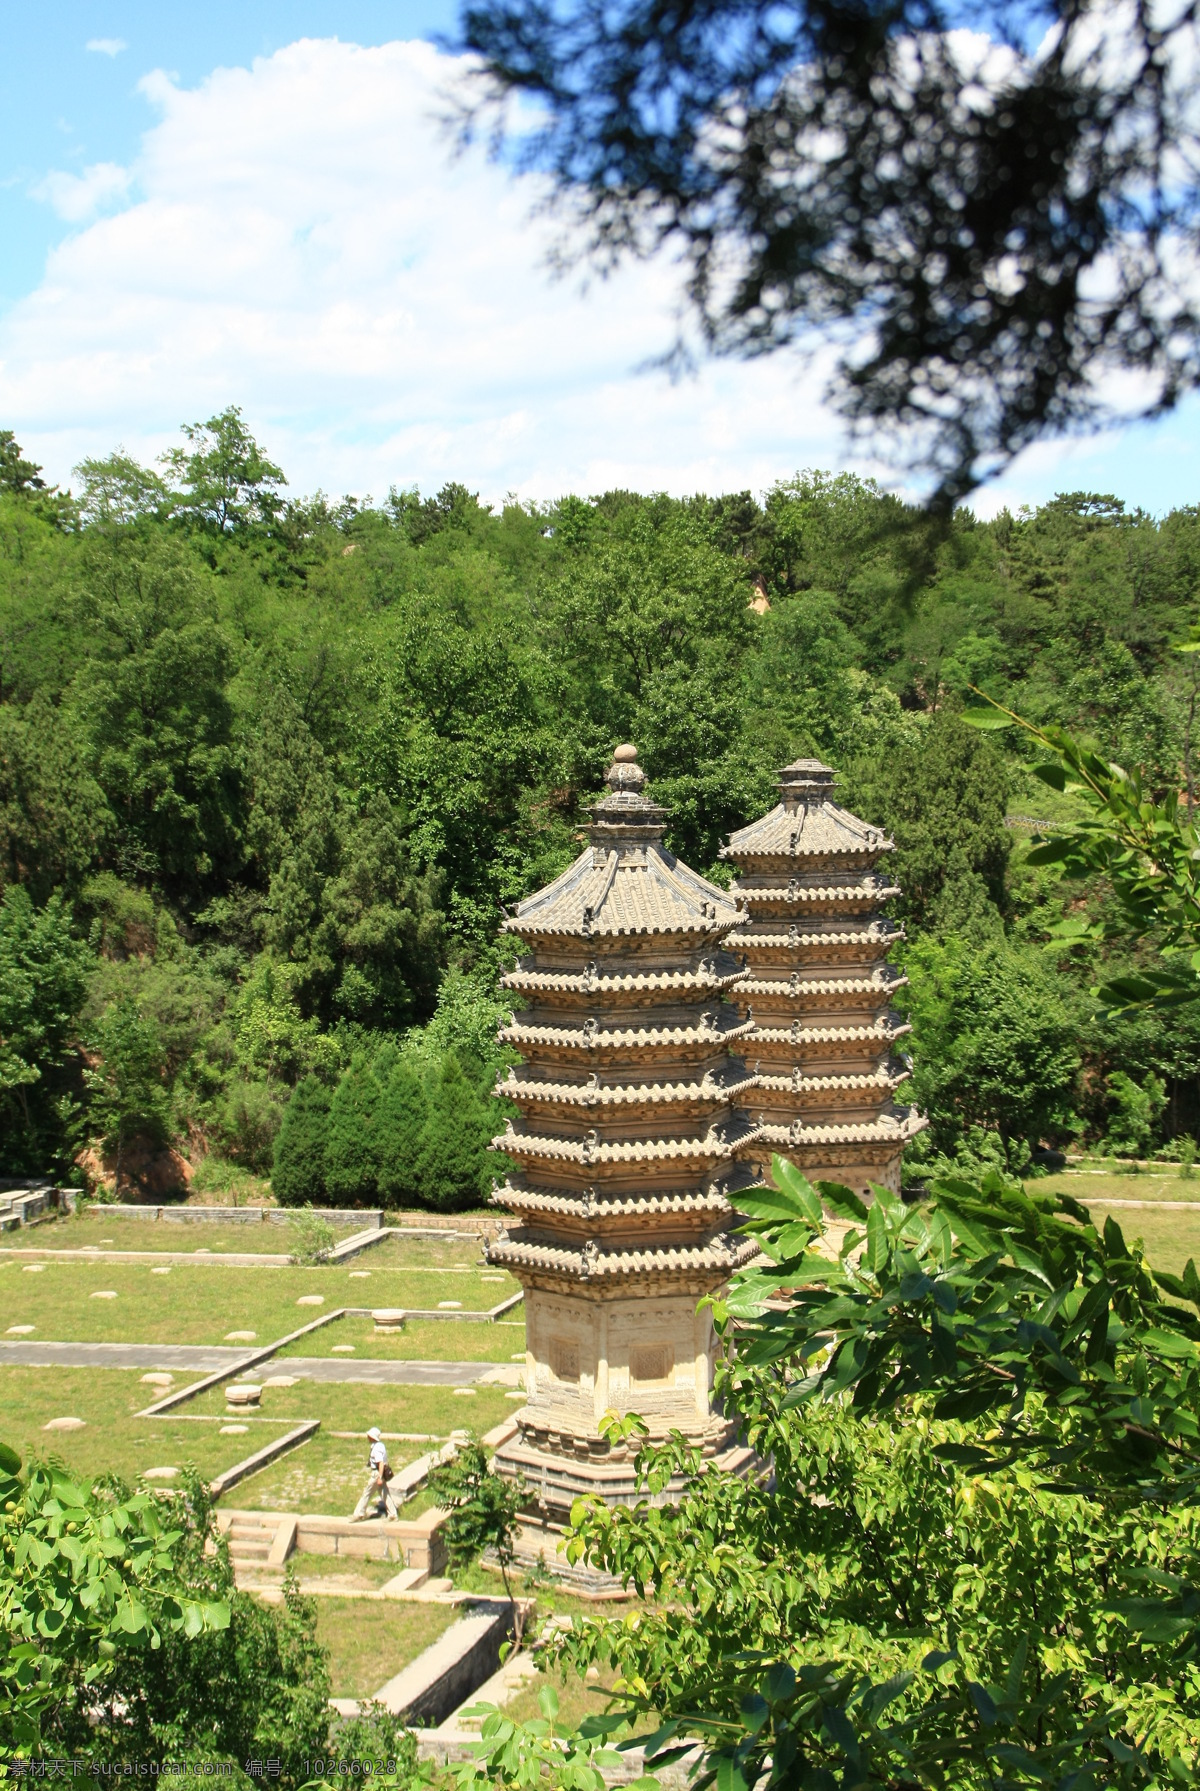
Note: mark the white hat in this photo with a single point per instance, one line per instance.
(375, 1434)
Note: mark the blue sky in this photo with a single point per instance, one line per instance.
(203, 209)
(63, 105)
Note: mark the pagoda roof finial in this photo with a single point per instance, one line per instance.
(628, 807)
(806, 823)
(626, 881)
(807, 781)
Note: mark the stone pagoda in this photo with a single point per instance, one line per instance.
(818, 987)
(626, 1152)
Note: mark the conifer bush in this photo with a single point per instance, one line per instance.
(400, 1127)
(298, 1177)
(455, 1169)
(351, 1146)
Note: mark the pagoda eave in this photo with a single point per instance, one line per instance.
(684, 1096)
(831, 1035)
(640, 1040)
(649, 983)
(684, 1269)
(887, 1130)
(846, 1087)
(702, 1152)
(591, 1208)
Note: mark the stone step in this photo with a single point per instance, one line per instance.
(411, 1579)
(252, 1529)
(249, 1551)
(434, 1588)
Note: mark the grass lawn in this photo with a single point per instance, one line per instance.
(369, 1643)
(1091, 1187)
(430, 1253)
(577, 1698)
(202, 1302)
(366, 1283)
(426, 1411)
(421, 1340)
(1168, 1238)
(324, 1475)
(101, 1230)
(362, 1571)
(114, 1441)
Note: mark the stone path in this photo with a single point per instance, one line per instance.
(193, 1358)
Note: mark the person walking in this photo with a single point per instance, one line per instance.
(378, 1488)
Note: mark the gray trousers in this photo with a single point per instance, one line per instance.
(379, 1494)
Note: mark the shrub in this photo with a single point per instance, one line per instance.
(455, 1170)
(1133, 1113)
(351, 1144)
(298, 1177)
(312, 1237)
(403, 1114)
(249, 1117)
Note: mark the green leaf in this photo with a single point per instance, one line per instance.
(1050, 851)
(842, 1200)
(1054, 775)
(988, 721)
(548, 1702)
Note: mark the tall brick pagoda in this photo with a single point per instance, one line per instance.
(626, 1148)
(819, 988)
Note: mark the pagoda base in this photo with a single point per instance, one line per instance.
(556, 1477)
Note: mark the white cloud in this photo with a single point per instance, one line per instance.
(106, 46)
(77, 197)
(306, 246)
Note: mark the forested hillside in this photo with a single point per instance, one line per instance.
(269, 765)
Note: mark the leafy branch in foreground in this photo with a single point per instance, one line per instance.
(82, 1575)
(932, 191)
(1146, 848)
(976, 1560)
(484, 1513)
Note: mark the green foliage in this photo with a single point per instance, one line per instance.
(17, 475)
(88, 1578)
(311, 1238)
(54, 818)
(994, 1046)
(42, 982)
(485, 1511)
(257, 1686)
(455, 1170)
(484, 1508)
(282, 760)
(226, 481)
(975, 1561)
(128, 1090)
(375, 1737)
(1133, 1114)
(351, 1141)
(400, 1126)
(943, 799)
(1148, 851)
(530, 1756)
(298, 1175)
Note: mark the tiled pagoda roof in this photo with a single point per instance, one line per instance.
(721, 1028)
(806, 823)
(625, 882)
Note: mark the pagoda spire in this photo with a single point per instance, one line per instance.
(819, 988)
(627, 1151)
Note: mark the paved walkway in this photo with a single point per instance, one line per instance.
(194, 1358)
